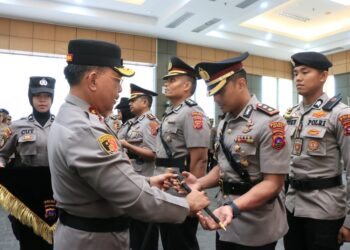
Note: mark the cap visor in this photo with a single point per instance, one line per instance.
(173, 74)
(41, 90)
(124, 71)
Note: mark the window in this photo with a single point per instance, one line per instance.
(16, 69)
(277, 93)
(204, 101)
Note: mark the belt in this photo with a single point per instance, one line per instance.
(236, 188)
(315, 183)
(180, 163)
(97, 225)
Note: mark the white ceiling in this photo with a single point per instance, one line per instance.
(152, 17)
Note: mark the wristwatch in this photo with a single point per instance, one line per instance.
(235, 209)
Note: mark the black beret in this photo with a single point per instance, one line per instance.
(124, 103)
(311, 59)
(215, 74)
(136, 91)
(97, 53)
(4, 111)
(178, 67)
(41, 84)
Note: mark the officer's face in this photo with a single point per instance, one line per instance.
(175, 86)
(42, 102)
(309, 80)
(228, 98)
(137, 105)
(106, 87)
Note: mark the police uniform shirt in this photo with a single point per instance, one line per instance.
(29, 140)
(142, 133)
(124, 129)
(92, 177)
(183, 127)
(255, 139)
(113, 123)
(326, 138)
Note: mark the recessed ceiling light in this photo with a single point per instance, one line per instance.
(138, 2)
(342, 2)
(264, 5)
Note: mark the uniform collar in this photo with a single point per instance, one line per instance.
(316, 105)
(72, 99)
(246, 111)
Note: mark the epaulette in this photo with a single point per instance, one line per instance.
(190, 103)
(52, 117)
(151, 116)
(332, 102)
(267, 109)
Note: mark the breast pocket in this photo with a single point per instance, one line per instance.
(26, 145)
(246, 150)
(315, 141)
(170, 132)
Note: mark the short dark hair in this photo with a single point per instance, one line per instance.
(193, 83)
(239, 74)
(74, 73)
(148, 98)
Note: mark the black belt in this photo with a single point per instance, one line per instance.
(97, 225)
(181, 163)
(316, 183)
(236, 188)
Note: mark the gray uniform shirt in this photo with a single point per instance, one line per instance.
(29, 141)
(183, 127)
(326, 140)
(256, 140)
(113, 123)
(124, 129)
(142, 133)
(92, 177)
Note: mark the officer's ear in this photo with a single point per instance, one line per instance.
(241, 83)
(323, 76)
(91, 78)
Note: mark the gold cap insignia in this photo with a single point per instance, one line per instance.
(170, 65)
(204, 74)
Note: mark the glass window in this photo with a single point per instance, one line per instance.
(285, 95)
(204, 101)
(16, 69)
(269, 91)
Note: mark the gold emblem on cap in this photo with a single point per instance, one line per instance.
(170, 65)
(204, 74)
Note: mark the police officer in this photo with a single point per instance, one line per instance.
(125, 115)
(140, 143)
(28, 141)
(4, 126)
(182, 141)
(320, 131)
(253, 158)
(94, 184)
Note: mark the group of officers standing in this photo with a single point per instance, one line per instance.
(109, 177)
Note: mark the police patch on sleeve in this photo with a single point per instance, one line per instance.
(345, 122)
(154, 127)
(108, 143)
(197, 120)
(278, 135)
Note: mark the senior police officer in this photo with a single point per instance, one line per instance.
(94, 184)
(27, 140)
(253, 158)
(182, 142)
(320, 132)
(140, 143)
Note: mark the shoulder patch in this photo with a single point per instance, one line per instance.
(108, 143)
(345, 122)
(190, 102)
(278, 135)
(332, 102)
(197, 119)
(151, 116)
(154, 127)
(267, 109)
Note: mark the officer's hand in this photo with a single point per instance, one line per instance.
(344, 235)
(224, 214)
(124, 143)
(191, 181)
(197, 200)
(162, 181)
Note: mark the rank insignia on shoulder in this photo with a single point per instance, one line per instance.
(345, 121)
(197, 120)
(267, 109)
(278, 135)
(332, 102)
(151, 116)
(108, 143)
(190, 103)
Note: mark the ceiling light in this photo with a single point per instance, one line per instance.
(264, 5)
(138, 2)
(342, 2)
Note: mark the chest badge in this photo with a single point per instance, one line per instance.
(319, 114)
(313, 145)
(298, 146)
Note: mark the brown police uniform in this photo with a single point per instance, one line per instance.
(94, 184)
(316, 199)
